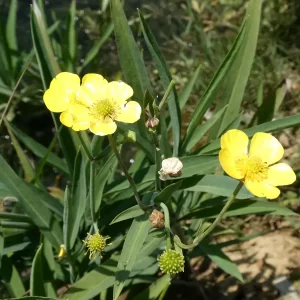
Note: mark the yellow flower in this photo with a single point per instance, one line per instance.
(61, 97)
(106, 102)
(95, 104)
(255, 168)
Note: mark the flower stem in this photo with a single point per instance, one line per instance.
(166, 95)
(92, 197)
(44, 159)
(157, 159)
(167, 224)
(199, 238)
(85, 147)
(129, 178)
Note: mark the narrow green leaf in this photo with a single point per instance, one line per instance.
(129, 213)
(187, 90)
(11, 278)
(239, 72)
(38, 149)
(49, 69)
(192, 165)
(219, 185)
(24, 161)
(92, 54)
(130, 57)
(11, 32)
(134, 241)
(165, 76)
(273, 126)
(30, 198)
(215, 253)
(67, 219)
(167, 192)
(212, 90)
(101, 179)
(238, 208)
(154, 290)
(203, 128)
(71, 37)
(36, 277)
(45, 44)
(94, 282)
(34, 298)
(78, 199)
(1, 246)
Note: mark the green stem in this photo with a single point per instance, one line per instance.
(167, 224)
(166, 95)
(157, 160)
(44, 159)
(198, 239)
(129, 178)
(92, 198)
(85, 147)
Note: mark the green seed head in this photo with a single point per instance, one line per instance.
(171, 262)
(95, 244)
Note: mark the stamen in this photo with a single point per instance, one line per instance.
(104, 110)
(252, 168)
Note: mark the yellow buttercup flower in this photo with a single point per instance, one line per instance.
(61, 97)
(255, 167)
(107, 103)
(95, 104)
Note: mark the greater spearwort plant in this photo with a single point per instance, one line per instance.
(159, 196)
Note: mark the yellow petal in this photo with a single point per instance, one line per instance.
(77, 117)
(281, 174)
(235, 141)
(85, 96)
(228, 163)
(130, 112)
(99, 128)
(267, 147)
(262, 189)
(66, 81)
(66, 118)
(56, 100)
(95, 84)
(119, 91)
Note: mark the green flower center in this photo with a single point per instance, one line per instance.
(95, 243)
(171, 262)
(104, 110)
(252, 168)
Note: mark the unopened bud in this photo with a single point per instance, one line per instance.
(152, 122)
(62, 252)
(157, 219)
(171, 262)
(170, 167)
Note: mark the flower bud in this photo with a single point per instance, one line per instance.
(157, 219)
(170, 167)
(62, 252)
(95, 244)
(171, 262)
(152, 122)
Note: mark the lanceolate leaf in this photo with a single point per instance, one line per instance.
(155, 289)
(239, 72)
(11, 278)
(78, 199)
(272, 126)
(221, 260)
(212, 90)
(36, 277)
(30, 198)
(129, 213)
(39, 150)
(165, 76)
(134, 241)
